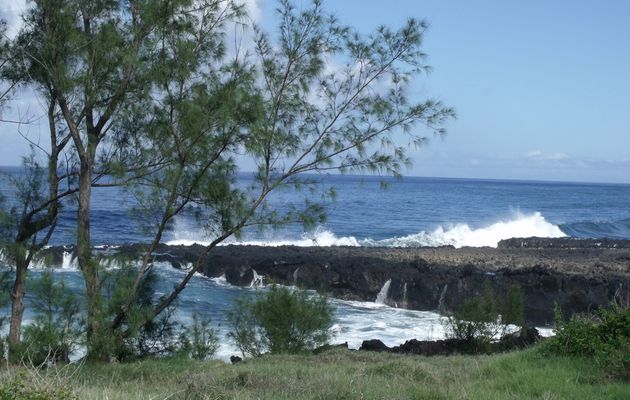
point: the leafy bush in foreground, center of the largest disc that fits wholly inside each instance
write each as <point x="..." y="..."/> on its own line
<point x="280" y="320"/>
<point x="161" y="336"/>
<point x="603" y="335"/>
<point x="55" y="332"/>
<point x="484" y="318"/>
<point x="30" y="385"/>
<point x="198" y="341"/>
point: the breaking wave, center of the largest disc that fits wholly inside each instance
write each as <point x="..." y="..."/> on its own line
<point x="458" y="235"/>
<point x="462" y="235"/>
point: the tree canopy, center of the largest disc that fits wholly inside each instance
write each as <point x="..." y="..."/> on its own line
<point x="148" y="93"/>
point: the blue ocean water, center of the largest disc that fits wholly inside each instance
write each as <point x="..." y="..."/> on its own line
<point x="408" y="212"/>
<point x="411" y="211"/>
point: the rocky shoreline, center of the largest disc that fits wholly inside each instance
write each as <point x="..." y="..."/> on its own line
<point x="579" y="275"/>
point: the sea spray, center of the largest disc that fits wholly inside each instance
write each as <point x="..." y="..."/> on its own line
<point x="457" y="235"/>
<point x="319" y="238"/>
<point x="257" y="280"/>
<point x="69" y="260"/>
<point x="404" y="300"/>
<point x="381" y="297"/>
<point x="462" y="235"/>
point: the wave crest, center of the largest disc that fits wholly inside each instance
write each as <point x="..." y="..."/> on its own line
<point x="462" y="235"/>
<point x="320" y="237"/>
<point x="459" y="235"/>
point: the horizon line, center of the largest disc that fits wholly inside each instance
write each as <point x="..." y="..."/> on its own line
<point x="376" y="175"/>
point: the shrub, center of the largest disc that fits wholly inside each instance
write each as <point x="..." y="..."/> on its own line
<point x="280" y="320"/>
<point x="512" y="307"/>
<point x="481" y="320"/>
<point x="161" y="336"/>
<point x="603" y="335"/>
<point x="31" y="385"/>
<point x="199" y="341"/>
<point x="55" y="331"/>
<point x="140" y="338"/>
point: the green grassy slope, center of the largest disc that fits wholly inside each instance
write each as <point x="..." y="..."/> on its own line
<point x="347" y="375"/>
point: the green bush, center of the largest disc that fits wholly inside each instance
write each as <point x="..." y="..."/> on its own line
<point x="199" y="341"/>
<point x="603" y="335"/>
<point x="280" y="320"/>
<point x="481" y="320"/>
<point x="138" y="337"/>
<point x="55" y="332"/>
<point x="25" y="386"/>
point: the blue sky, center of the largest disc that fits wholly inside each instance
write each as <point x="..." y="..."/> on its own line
<point x="541" y="88"/>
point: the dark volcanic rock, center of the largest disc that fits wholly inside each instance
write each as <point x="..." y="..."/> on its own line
<point x="429" y="347"/>
<point x="579" y="275"/>
<point x="526" y="336"/>
<point x="563" y="243"/>
<point x="518" y="340"/>
<point x="373" y="345"/>
<point x="239" y="276"/>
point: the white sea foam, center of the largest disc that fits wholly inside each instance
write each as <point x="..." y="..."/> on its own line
<point x="462" y="235"/>
<point x="3" y="259"/>
<point x="358" y="321"/>
<point x="320" y="237"/>
<point x="458" y="235"/>
<point x="382" y="295"/>
<point x="69" y="261"/>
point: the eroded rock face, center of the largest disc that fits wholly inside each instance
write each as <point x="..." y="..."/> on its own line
<point x="527" y="336"/>
<point x="579" y="275"/>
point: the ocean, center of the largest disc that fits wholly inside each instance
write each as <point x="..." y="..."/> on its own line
<point x="409" y="212"/>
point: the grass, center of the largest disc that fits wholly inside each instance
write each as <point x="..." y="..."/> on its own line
<point x="341" y="374"/>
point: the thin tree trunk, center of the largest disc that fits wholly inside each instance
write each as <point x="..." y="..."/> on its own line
<point x="29" y="228"/>
<point x="17" y="300"/>
<point x="88" y="267"/>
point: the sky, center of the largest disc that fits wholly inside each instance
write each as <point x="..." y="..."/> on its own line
<point x="541" y="88"/>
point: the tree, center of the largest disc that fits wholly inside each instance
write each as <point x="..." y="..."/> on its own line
<point x="325" y="99"/>
<point x="5" y="60"/>
<point x="107" y="53"/>
<point x="145" y="90"/>
<point x="54" y="332"/>
<point x="37" y="188"/>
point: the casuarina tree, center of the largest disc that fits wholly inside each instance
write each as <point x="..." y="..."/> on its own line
<point x="321" y="98"/>
<point x="148" y="92"/>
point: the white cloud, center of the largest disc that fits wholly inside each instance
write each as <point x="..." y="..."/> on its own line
<point x="254" y="9"/>
<point x="11" y="12"/>
<point x="543" y="156"/>
<point x="534" y="154"/>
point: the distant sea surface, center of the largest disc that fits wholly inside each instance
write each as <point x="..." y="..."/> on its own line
<point x="409" y="212"/>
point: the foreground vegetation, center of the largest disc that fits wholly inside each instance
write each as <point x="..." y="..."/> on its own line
<point x="587" y="359"/>
<point x="337" y="374"/>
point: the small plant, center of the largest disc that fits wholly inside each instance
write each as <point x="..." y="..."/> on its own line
<point x="55" y="331"/>
<point x="140" y="338"/>
<point x="199" y="341"/>
<point x="603" y="335"/>
<point x="32" y="383"/>
<point x="483" y="319"/>
<point x="280" y="320"/>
